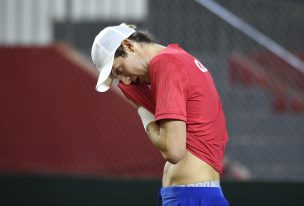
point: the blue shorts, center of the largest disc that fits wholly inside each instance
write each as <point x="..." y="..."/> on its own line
<point x="192" y="196"/>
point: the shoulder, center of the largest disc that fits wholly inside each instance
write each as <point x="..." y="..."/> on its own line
<point x="167" y="61"/>
<point x="164" y="58"/>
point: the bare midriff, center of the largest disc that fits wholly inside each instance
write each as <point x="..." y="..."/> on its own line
<point x="189" y="170"/>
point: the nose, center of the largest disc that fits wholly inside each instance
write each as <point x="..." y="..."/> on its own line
<point x="125" y="80"/>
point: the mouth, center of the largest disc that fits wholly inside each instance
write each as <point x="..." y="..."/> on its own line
<point x="135" y="80"/>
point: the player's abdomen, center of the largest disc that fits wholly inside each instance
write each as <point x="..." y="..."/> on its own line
<point x="187" y="171"/>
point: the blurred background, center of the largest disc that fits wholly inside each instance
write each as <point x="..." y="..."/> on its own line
<point x="62" y="143"/>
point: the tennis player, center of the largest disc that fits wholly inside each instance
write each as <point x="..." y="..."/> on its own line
<point x="188" y="127"/>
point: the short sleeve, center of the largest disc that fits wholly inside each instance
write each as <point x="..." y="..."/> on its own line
<point x="140" y="94"/>
<point x="169" y="82"/>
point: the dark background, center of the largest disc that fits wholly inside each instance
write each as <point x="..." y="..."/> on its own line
<point x="62" y="143"/>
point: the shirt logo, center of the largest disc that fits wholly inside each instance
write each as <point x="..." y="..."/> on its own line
<point x="200" y="66"/>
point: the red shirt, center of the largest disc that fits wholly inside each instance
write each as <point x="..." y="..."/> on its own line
<point x="183" y="89"/>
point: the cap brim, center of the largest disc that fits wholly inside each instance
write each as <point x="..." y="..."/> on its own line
<point x="104" y="81"/>
<point x="105" y="86"/>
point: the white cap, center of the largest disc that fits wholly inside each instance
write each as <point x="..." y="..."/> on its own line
<point x="103" y="51"/>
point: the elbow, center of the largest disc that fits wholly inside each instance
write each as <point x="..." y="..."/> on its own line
<point x="175" y="155"/>
<point x="172" y="160"/>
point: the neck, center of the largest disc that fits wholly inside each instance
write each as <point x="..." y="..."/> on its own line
<point x="152" y="50"/>
<point x="149" y="51"/>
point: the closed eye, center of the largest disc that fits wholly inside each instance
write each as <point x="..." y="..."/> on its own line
<point x="118" y="71"/>
<point x="115" y="72"/>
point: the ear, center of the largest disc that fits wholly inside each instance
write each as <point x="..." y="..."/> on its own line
<point x="128" y="45"/>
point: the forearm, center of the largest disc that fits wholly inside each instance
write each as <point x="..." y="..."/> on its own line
<point x="169" y="138"/>
<point x="170" y="151"/>
<point x="153" y="132"/>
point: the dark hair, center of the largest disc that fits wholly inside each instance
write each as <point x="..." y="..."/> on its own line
<point x="138" y="36"/>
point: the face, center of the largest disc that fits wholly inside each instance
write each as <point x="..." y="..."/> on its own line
<point x="132" y="69"/>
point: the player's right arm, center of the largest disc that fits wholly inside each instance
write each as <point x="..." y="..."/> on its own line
<point x="168" y="135"/>
<point x="170" y="80"/>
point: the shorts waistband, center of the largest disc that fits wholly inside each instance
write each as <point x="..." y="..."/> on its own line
<point x="191" y="191"/>
<point x="213" y="183"/>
